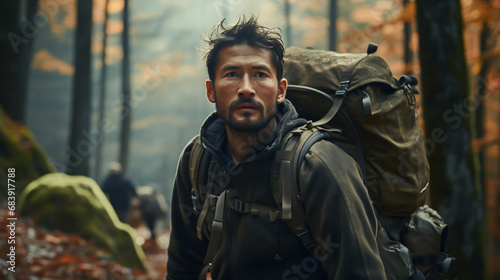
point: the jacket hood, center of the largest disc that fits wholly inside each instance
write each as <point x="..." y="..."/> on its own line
<point x="214" y="138"/>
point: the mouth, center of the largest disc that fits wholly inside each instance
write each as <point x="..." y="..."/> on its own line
<point x="247" y="106"/>
<point x="246" y="109"/>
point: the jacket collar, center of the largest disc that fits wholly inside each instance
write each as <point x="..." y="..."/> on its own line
<point x="214" y="138"/>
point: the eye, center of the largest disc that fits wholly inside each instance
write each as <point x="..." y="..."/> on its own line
<point x="261" y="74"/>
<point x="231" y="74"/>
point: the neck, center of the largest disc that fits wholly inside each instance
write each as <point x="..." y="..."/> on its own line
<point x="242" y="144"/>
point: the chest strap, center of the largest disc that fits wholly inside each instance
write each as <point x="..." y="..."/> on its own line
<point x="244" y="207"/>
<point x="227" y="199"/>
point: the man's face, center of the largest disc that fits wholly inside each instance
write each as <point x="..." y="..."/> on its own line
<point x="246" y="91"/>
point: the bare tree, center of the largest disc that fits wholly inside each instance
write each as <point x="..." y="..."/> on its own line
<point x="408" y="54"/>
<point x="488" y="128"/>
<point x="332" y="30"/>
<point x="126" y="108"/>
<point x="80" y="147"/>
<point x="288" y="27"/>
<point x="17" y="34"/>
<point x="454" y="183"/>
<point x="102" y="94"/>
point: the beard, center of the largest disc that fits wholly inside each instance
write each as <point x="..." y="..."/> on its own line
<point x="248" y="124"/>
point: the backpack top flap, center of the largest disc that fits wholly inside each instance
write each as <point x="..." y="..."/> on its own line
<point x="386" y="142"/>
<point x="323" y="70"/>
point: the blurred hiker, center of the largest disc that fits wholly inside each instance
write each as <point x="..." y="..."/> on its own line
<point x="153" y="207"/>
<point x="119" y="190"/>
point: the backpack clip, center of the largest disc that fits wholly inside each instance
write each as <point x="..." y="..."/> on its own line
<point x="343" y="88"/>
<point x="196" y="208"/>
<point x="406" y="82"/>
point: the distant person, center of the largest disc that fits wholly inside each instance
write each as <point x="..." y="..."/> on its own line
<point x="153" y="207"/>
<point x="119" y="190"/>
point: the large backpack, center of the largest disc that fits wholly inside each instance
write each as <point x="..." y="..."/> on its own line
<point x="354" y="101"/>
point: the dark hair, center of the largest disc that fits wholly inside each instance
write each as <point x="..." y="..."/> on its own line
<point x="245" y="32"/>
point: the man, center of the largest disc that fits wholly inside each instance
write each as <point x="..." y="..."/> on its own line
<point x="153" y="208"/>
<point x="246" y="84"/>
<point x="119" y="190"/>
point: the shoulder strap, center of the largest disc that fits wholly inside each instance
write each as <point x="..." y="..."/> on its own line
<point x="194" y="167"/>
<point x="217" y="225"/>
<point x="196" y="193"/>
<point x="286" y="168"/>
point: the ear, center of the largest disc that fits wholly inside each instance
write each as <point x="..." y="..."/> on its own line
<point x="282" y="91"/>
<point x="210" y="91"/>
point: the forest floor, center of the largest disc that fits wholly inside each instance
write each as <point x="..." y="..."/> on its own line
<point x="44" y="255"/>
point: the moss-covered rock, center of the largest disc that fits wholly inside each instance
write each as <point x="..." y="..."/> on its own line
<point x="20" y="150"/>
<point x="77" y="205"/>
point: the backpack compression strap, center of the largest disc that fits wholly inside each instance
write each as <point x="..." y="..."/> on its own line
<point x="343" y="89"/>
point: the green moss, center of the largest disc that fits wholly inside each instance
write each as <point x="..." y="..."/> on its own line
<point x="20" y="150"/>
<point x="77" y="205"/>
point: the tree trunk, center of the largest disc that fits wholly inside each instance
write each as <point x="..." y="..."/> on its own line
<point x="332" y="30"/>
<point x="26" y="56"/>
<point x="488" y="129"/>
<point x="80" y="146"/>
<point x="408" y="54"/>
<point x="288" y="27"/>
<point x="17" y="36"/>
<point x="455" y="190"/>
<point x="126" y="108"/>
<point x="11" y="41"/>
<point x="102" y="96"/>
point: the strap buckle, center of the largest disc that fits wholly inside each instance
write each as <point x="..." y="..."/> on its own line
<point x="305" y="236"/>
<point x="239" y="206"/>
<point x="274" y="215"/>
<point x="343" y="88"/>
<point x="195" y="204"/>
<point x="212" y="200"/>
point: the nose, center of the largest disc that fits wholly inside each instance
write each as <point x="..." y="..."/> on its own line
<point x="246" y="88"/>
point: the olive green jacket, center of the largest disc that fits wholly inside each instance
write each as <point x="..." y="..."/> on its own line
<point x="337" y="206"/>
